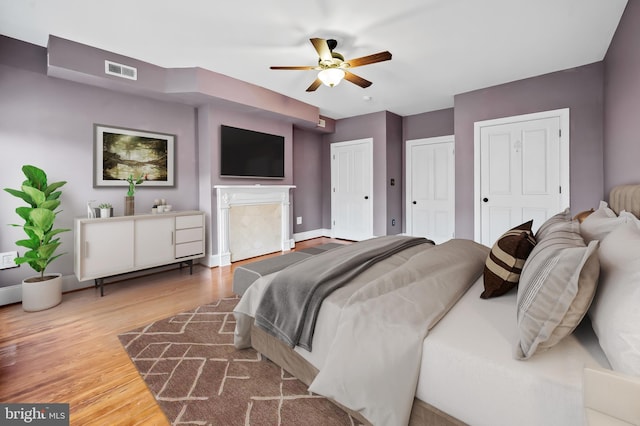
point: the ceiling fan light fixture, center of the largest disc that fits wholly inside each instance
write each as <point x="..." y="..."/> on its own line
<point x="331" y="76"/>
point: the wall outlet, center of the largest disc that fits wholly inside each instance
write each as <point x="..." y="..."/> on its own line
<point x="393" y="222"/>
<point x="6" y="259"/>
<point x="299" y="220"/>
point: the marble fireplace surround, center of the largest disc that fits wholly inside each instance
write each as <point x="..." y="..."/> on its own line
<point x="265" y="196"/>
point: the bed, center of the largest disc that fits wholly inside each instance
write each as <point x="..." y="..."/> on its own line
<point x="479" y="362"/>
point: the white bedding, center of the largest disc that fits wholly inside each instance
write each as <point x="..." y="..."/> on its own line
<point x="467" y="368"/>
<point x="382" y="327"/>
<point x="469" y="372"/>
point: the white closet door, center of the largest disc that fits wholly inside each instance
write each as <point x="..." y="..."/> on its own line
<point x="431" y="188"/>
<point x="520" y="175"/>
<point x="351" y="189"/>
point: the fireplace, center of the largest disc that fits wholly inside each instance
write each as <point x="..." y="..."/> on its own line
<point x="252" y="220"/>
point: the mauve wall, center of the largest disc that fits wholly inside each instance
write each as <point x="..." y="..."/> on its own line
<point x="209" y="121"/>
<point x="622" y="102"/>
<point x="395" y="207"/>
<point x="426" y="125"/>
<point x="579" y="89"/>
<point x="48" y="122"/>
<point x="354" y="128"/>
<point x="307" y="176"/>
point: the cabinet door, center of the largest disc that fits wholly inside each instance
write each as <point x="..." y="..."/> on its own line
<point x="154" y="241"/>
<point x="106" y="248"/>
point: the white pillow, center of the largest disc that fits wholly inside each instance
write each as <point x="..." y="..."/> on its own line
<point x="599" y="223"/>
<point x="615" y="312"/>
<point x="555" y="220"/>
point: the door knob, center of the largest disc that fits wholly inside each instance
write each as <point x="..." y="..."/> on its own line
<point x="415" y="202"/>
<point x="366" y="197"/>
<point x="485" y="199"/>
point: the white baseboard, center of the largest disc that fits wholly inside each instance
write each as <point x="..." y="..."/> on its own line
<point x="211" y="261"/>
<point x="307" y="235"/>
<point x="13" y="293"/>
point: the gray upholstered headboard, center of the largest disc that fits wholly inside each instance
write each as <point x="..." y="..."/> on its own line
<point x="625" y="197"/>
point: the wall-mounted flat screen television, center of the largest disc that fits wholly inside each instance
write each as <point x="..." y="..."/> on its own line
<point x="250" y="154"/>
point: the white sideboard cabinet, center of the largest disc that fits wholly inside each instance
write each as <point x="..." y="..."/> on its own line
<point x="117" y="245"/>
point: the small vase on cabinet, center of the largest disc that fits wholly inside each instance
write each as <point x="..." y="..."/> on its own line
<point x="129" y="205"/>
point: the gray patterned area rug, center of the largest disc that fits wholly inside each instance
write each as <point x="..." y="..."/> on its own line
<point x="189" y="363"/>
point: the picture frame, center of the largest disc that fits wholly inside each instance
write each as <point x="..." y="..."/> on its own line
<point x="120" y="152"/>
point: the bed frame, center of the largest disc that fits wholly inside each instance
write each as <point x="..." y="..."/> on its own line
<point x="624" y="197"/>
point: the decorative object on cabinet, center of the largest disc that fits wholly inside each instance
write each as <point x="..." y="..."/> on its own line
<point x="129" y="200"/>
<point x="107" y="248"/>
<point x="42" y="291"/>
<point x="129" y="205"/>
<point x="120" y="153"/>
<point x="106" y="210"/>
<point x="91" y="212"/>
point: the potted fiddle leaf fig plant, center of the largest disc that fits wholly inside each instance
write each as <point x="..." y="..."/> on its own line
<point x="44" y="290"/>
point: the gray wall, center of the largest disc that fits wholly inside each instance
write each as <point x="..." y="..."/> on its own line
<point x="622" y="102"/>
<point x="360" y="127"/>
<point x="48" y="122"/>
<point x="426" y="125"/>
<point x="209" y="121"/>
<point x="307" y="176"/>
<point x="395" y="171"/>
<point x="579" y="89"/>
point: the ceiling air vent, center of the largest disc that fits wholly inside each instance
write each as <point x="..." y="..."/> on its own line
<point x="120" y="70"/>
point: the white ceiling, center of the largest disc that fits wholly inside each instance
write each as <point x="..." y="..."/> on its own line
<point x="440" y="47"/>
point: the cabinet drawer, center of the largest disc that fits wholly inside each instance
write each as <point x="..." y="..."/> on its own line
<point x="188" y="235"/>
<point x="192" y="221"/>
<point x="189" y="249"/>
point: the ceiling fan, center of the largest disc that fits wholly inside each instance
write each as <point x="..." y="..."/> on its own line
<point x="333" y="67"/>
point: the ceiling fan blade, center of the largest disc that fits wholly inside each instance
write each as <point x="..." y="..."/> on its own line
<point x="369" y="59"/>
<point x="314" y="85"/>
<point x="303" y="67"/>
<point x="322" y="48"/>
<point x="349" y="76"/>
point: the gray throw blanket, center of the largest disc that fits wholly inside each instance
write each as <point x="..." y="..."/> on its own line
<point x="290" y="305"/>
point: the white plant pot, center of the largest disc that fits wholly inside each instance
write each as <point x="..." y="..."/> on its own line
<point x="105" y="212"/>
<point x="41" y="295"/>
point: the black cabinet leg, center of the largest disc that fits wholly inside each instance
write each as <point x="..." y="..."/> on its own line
<point x="100" y="282"/>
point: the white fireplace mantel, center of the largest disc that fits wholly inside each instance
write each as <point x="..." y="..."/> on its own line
<point x="247" y="195"/>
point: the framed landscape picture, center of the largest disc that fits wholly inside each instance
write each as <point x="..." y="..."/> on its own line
<point x="119" y="153"/>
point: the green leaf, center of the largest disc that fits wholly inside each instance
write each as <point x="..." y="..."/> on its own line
<point x="27" y="199"/>
<point x="55" y="185"/>
<point x="24" y="212"/>
<point x="36" y="176"/>
<point x="50" y="204"/>
<point x="51" y="259"/>
<point x="32" y="244"/>
<point x="46" y="251"/>
<point x="36" y="195"/>
<point x="42" y="219"/>
<point x="38" y="232"/>
<point x="57" y="231"/>
<point x="54" y="195"/>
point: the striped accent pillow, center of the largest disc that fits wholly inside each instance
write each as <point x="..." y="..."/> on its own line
<point x="557" y="286"/>
<point x="506" y="260"/>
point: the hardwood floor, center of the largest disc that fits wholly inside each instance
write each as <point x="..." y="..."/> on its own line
<point x="71" y="353"/>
